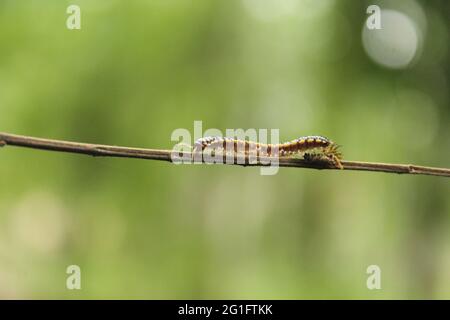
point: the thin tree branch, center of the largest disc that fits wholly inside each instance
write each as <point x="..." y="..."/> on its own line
<point x="98" y="150"/>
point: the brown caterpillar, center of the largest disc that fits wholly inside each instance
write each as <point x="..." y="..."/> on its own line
<point x="303" y="145"/>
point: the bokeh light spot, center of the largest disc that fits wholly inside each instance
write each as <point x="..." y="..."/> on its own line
<point x="396" y="44"/>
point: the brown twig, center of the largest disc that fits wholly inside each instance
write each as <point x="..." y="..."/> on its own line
<point x="165" y="155"/>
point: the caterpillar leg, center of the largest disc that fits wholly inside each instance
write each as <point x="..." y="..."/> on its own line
<point x="329" y="158"/>
<point x="311" y="157"/>
<point x="332" y="153"/>
<point x="336" y="161"/>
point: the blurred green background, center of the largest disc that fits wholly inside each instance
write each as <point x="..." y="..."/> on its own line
<point x="137" y="70"/>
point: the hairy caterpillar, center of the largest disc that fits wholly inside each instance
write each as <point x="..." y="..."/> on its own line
<point x="311" y="147"/>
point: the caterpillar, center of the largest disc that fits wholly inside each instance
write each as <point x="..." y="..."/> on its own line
<point x="311" y="147"/>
